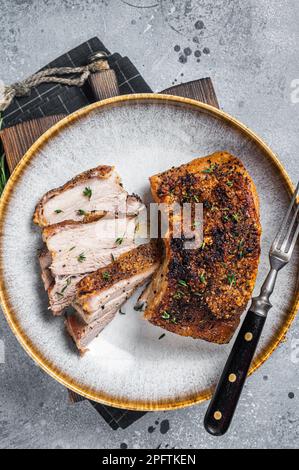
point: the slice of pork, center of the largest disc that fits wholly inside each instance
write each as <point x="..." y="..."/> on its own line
<point x="96" y="293"/>
<point x="83" y="334"/>
<point x="97" y="190"/>
<point x="61" y="290"/>
<point x="80" y="247"/>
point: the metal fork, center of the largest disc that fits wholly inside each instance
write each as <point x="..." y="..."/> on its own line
<point x="226" y="396"/>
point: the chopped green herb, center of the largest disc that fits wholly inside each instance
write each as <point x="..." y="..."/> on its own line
<point x="231" y="279"/>
<point x="58" y="211"/>
<point x="202" y="279"/>
<point x="229" y="183"/>
<point x="81" y="258"/>
<point x="66" y="285"/>
<point x="173" y="320"/>
<point x="240" y="249"/>
<point x="112" y="257"/>
<point x="195" y="198"/>
<point x="182" y="283"/>
<point x="59" y="294"/>
<point x="196" y="224"/>
<point x="81" y="212"/>
<point x="165" y="315"/>
<point x="210" y="169"/>
<point x="236" y="217"/>
<point x="162" y="336"/>
<point x="202" y="246"/>
<point x="119" y="241"/>
<point x="71" y="249"/>
<point x="121" y="312"/>
<point x="87" y="192"/>
<point x="178" y="295"/>
<point x="106" y="275"/>
<point x="225" y="218"/>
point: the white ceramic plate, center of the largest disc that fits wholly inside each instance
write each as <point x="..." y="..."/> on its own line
<point x="128" y="366"/>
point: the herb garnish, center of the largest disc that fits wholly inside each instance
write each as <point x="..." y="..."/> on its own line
<point x="231" y="279"/>
<point x="112" y="257"/>
<point x="165" y="315"/>
<point x="182" y="283"/>
<point x="210" y="169"/>
<point x="66" y="285"/>
<point x="81" y="212"/>
<point x="106" y="275"/>
<point x="58" y="211"/>
<point x="195" y="198"/>
<point x="87" y="192"/>
<point x="229" y="183"/>
<point x="196" y="225"/>
<point x="121" y="312"/>
<point x="178" y="295"/>
<point x="119" y="241"/>
<point x="162" y="336"/>
<point x="202" y="279"/>
<point x="81" y="258"/>
<point x="235" y="217"/>
<point x="241" y="249"/>
<point x="71" y="249"/>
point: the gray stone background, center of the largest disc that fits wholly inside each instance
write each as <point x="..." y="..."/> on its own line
<point x="251" y="51"/>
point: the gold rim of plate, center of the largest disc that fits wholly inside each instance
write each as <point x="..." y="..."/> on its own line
<point x="43" y="362"/>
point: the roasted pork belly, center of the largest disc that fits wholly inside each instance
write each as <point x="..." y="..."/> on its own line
<point x="201" y="292"/>
<point x="84" y="247"/>
<point x="97" y="190"/>
<point x="60" y="289"/>
<point x="83" y="333"/>
<point x="98" y="292"/>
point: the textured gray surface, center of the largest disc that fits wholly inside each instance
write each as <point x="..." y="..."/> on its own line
<point x="251" y="52"/>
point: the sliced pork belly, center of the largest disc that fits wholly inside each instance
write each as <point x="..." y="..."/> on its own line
<point x="95" y="190"/>
<point x="83" y="333"/>
<point x="60" y="289"/>
<point x="45" y="261"/>
<point x="97" y="293"/>
<point x="80" y="247"/>
<point x="62" y="292"/>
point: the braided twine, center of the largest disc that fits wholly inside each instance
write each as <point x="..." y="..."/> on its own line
<point x="55" y="75"/>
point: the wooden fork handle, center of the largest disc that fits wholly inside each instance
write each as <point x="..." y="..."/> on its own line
<point x="226" y="396"/>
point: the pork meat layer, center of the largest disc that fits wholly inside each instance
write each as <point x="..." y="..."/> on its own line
<point x="94" y="191"/>
<point x="97" y="293"/>
<point x="83" y="333"/>
<point x="84" y="247"/>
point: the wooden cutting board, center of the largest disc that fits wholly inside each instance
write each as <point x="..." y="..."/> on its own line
<point x="18" y="139"/>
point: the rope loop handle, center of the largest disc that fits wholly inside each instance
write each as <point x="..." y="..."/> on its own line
<point x="55" y="75"/>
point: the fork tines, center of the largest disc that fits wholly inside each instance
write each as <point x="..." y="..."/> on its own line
<point x="288" y="233"/>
